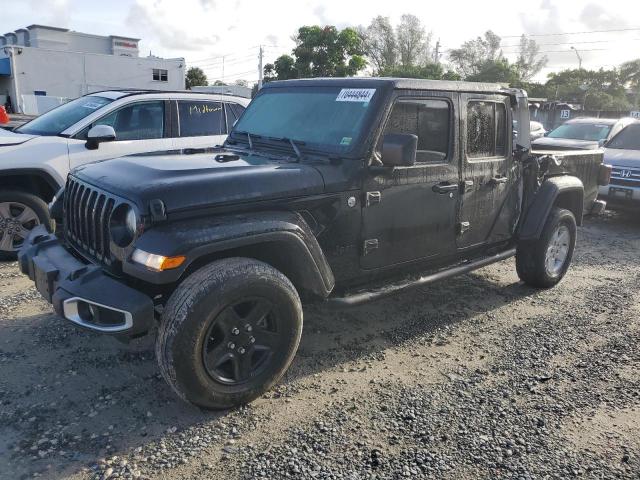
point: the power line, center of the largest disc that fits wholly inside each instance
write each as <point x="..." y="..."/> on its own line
<point x="577" y="43"/>
<point x="573" y="33"/>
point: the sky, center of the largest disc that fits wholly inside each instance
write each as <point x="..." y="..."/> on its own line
<point x="222" y="37"/>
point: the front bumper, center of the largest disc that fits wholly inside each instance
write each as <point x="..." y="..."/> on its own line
<point x="82" y="292"/>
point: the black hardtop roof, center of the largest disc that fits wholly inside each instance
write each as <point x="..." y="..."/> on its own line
<point x="396" y="83"/>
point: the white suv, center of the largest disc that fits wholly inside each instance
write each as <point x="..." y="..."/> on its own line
<point x="35" y="160"/>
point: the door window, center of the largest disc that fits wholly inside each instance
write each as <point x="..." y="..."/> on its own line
<point x="429" y="120"/>
<point x="138" y="121"/>
<point x="201" y="118"/>
<point x="486" y="129"/>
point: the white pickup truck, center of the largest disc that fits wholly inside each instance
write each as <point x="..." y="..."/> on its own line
<point x="36" y="158"/>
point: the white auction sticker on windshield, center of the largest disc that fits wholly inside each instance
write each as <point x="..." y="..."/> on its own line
<point x="356" y="95"/>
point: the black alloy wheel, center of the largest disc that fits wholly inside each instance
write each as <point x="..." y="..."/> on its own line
<point x="241" y="340"/>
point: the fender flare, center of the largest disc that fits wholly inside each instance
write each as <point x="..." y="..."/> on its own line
<point x="566" y="191"/>
<point x="282" y="239"/>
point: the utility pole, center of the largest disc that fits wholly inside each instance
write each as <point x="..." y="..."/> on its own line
<point x="436" y="55"/>
<point x="578" y="55"/>
<point x="223" y="69"/>
<point x="260" y="69"/>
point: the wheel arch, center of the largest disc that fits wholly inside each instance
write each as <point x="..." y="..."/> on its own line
<point x="280" y="239"/>
<point x="564" y="192"/>
<point x="36" y="182"/>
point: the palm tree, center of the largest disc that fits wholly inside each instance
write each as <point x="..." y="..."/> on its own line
<point x="630" y="74"/>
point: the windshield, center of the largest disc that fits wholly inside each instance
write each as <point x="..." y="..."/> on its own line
<point x="59" y="119"/>
<point x="627" y="139"/>
<point x="324" y="118"/>
<point x="581" y="131"/>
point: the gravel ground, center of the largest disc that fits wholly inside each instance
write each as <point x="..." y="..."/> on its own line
<point x="476" y="377"/>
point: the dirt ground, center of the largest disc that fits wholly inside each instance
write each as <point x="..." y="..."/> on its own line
<point x="475" y="377"/>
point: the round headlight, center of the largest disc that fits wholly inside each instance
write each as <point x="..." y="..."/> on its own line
<point x="123" y="225"/>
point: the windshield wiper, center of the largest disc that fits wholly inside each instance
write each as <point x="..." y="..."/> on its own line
<point x="248" y="138"/>
<point x="291" y="142"/>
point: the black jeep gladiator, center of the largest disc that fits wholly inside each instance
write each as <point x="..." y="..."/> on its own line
<point x="344" y="190"/>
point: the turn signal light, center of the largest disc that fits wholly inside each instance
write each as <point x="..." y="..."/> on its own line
<point x="157" y="262"/>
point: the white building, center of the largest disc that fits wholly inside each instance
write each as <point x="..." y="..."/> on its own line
<point x="41" y="67"/>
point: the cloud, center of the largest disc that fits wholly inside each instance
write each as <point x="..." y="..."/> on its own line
<point x="596" y="17"/>
<point x="170" y="34"/>
<point x="58" y="12"/>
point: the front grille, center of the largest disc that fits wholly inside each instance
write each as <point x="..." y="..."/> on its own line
<point x="86" y="219"/>
<point x="627" y="177"/>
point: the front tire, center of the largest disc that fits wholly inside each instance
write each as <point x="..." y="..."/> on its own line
<point x="229" y="332"/>
<point x="20" y="212"/>
<point x="544" y="262"/>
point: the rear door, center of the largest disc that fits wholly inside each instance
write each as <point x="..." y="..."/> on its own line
<point x="201" y="123"/>
<point x="489" y="206"/>
<point x="409" y="213"/>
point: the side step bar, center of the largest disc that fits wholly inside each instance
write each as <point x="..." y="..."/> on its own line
<point x="359" y="298"/>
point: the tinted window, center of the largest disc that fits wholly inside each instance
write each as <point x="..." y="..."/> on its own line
<point x="201" y="118"/>
<point x="486" y="129"/>
<point x="581" y="131"/>
<point x="59" y="119"/>
<point x="627" y="139"/>
<point x="429" y="120"/>
<point x="138" y="121"/>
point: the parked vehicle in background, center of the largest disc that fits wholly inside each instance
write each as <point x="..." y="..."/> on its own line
<point x="622" y="152"/>
<point x="343" y="190"/>
<point x="536" y="130"/>
<point x="34" y="162"/>
<point x="582" y="134"/>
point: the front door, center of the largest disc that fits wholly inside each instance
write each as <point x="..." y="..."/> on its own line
<point x="140" y="127"/>
<point x="409" y="213"/>
<point x="490" y="205"/>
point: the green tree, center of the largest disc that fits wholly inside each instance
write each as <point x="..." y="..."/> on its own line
<point x="499" y="70"/>
<point x="630" y="75"/>
<point x="380" y="44"/>
<point x="195" y="78"/>
<point x="414" y="44"/>
<point x="474" y="56"/>
<point x="321" y="52"/>
<point x="594" y="89"/>
<point x="432" y="71"/>
<point x="529" y="62"/>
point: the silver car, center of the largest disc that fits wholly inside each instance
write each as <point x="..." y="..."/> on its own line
<point x="622" y="152"/>
<point x="582" y="133"/>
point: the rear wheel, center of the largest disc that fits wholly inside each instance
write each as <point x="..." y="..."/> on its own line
<point x="229" y="332"/>
<point x="20" y="212"/>
<point x="543" y="262"/>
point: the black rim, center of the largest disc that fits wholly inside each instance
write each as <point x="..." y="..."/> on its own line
<point x="241" y="341"/>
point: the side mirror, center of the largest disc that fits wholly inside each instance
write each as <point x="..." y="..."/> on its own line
<point x="546" y="134"/>
<point x="99" y="134"/>
<point x="602" y="142"/>
<point x="399" y="149"/>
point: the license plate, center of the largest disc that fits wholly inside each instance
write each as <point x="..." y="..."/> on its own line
<point x="618" y="192"/>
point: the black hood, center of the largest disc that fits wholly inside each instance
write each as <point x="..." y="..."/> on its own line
<point x="187" y="181"/>
<point x="548" y="143"/>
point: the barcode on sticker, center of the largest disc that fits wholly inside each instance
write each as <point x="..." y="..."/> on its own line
<point x="355" y="95"/>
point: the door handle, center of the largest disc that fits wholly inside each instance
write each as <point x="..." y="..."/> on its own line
<point x="498" y="180"/>
<point x="445" y="187"/>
